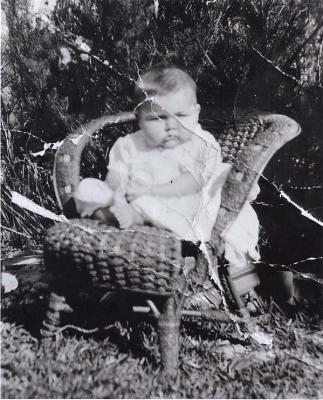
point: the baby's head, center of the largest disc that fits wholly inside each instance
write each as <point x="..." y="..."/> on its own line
<point x="166" y="106"/>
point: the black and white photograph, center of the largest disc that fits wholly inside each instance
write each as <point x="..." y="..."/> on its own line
<point x="161" y="199"/>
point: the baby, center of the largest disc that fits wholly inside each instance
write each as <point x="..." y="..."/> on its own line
<point x="169" y="172"/>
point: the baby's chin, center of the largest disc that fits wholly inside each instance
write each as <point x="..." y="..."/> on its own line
<point x="170" y="144"/>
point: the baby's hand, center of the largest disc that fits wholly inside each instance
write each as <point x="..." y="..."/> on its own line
<point x="119" y="198"/>
<point x="136" y="190"/>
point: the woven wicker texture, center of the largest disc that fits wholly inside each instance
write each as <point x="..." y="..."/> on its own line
<point x="145" y="259"/>
<point x="253" y="155"/>
<point x="151" y="261"/>
<point x="235" y="138"/>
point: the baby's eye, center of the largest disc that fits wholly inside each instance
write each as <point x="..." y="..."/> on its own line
<point x="157" y="117"/>
<point x="181" y="115"/>
<point x="152" y="118"/>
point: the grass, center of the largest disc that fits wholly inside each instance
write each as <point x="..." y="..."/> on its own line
<point x="215" y="362"/>
<point x="30" y="177"/>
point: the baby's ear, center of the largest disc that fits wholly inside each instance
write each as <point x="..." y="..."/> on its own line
<point x="138" y="120"/>
<point x="197" y="110"/>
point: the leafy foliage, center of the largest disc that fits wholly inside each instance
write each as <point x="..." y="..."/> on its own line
<point x="90" y="53"/>
<point x="81" y="59"/>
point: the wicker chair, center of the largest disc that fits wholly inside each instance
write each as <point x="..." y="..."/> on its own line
<point x="153" y="270"/>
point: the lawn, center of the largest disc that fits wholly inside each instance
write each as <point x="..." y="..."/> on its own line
<point x="215" y="360"/>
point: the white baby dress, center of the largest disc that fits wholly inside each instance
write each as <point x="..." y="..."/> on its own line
<point x="190" y="217"/>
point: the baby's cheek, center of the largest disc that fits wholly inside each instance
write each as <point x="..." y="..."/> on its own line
<point x="185" y="134"/>
<point x="189" y="124"/>
<point x="154" y="131"/>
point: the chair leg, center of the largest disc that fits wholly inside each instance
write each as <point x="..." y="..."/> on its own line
<point x="168" y="328"/>
<point x="57" y="305"/>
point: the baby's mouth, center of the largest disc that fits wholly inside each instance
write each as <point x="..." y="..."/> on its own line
<point x="171" y="138"/>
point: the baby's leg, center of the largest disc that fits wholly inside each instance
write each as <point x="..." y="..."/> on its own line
<point x="105" y="215"/>
<point x="93" y="198"/>
<point x="127" y="215"/>
<point x="242" y="237"/>
<point x="167" y="213"/>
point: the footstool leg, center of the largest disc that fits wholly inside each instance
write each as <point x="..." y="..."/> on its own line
<point x="57" y="305"/>
<point x="168" y="327"/>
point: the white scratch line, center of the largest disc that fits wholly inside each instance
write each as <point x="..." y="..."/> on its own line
<point x="56" y="145"/>
<point x="302" y="187"/>
<point x="286" y="197"/>
<point x="292" y="264"/>
<point x="156" y="4"/>
<point x="47" y="146"/>
<point x="278" y="68"/>
<point x="303" y="212"/>
<point x="29" y="205"/>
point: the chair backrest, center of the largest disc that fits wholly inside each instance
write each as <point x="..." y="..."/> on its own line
<point x="248" y="165"/>
<point x="248" y="144"/>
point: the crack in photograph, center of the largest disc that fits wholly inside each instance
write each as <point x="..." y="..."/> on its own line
<point x="161" y="199"/>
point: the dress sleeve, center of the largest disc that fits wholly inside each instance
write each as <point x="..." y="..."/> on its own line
<point x="119" y="158"/>
<point x="201" y="158"/>
<point x="209" y="157"/>
<point x="212" y="158"/>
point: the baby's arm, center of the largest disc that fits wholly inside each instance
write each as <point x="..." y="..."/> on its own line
<point x="183" y="185"/>
<point x="113" y="179"/>
<point x="118" y="172"/>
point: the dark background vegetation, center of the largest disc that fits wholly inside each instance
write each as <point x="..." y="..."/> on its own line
<point x="264" y="55"/>
<point x="80" y="62"/>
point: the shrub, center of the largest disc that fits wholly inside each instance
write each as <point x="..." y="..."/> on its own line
<point x="82" y="58"/>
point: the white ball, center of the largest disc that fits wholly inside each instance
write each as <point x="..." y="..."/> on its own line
<point x="92" y="190"/>
<point x="9" y="282"/>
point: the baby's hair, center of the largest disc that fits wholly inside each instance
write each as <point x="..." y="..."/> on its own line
<point x="161" y="79"/>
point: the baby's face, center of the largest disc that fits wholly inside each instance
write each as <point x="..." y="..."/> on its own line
<point x="170" y="119"/>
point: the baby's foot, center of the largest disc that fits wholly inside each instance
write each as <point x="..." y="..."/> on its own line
<point x="106" y="216"/>
<point x="127" y="216"/>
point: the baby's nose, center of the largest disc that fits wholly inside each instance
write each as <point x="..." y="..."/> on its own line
<point x="171" y="123"/>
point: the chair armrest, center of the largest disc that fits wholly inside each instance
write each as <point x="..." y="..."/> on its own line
<point x="248" y="166"/>
<point x="66" y="174"/>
